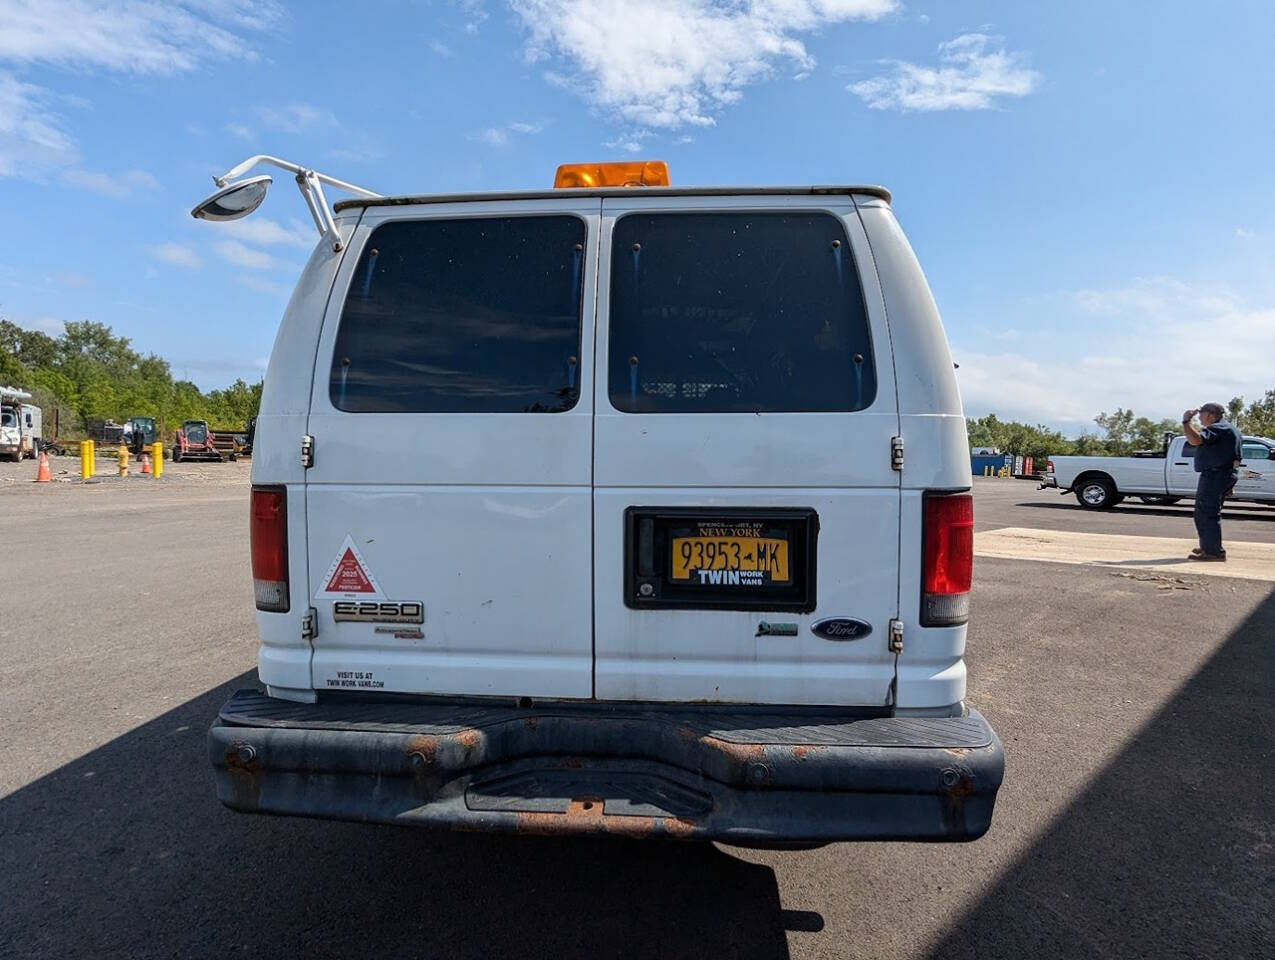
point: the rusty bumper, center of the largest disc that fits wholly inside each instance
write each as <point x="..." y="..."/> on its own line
<point x="744" y="776"/>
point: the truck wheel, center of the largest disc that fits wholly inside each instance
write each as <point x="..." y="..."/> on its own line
<point x="1097" y="493"/>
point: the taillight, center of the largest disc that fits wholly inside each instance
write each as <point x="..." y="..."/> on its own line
<point x="269" y="534"/>
<point x="947" y="559"/>
<point x="1050" y="466"/>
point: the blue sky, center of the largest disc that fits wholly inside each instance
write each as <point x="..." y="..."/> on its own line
<point x="1090" y="186"/>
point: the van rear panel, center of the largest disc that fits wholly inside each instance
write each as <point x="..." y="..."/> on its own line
<point x="475" y="456"/>
<point x="452" y="470"/>
<point x="747" y="368"/>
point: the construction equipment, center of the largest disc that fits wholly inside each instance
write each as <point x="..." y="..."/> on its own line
<point x="139" y="434"/>
<point x="195" y="441"/>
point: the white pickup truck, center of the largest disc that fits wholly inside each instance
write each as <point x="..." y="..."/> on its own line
<point x="1162" y="477"/>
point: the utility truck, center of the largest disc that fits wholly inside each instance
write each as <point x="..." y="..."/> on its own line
<point x="1163" y="476"/>
<point x="21" y="425"/>
<point x="613" y="508"/>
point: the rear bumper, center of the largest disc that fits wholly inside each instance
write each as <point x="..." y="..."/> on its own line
<point x="634" y="770"/>
<point x="1050" y="483"/>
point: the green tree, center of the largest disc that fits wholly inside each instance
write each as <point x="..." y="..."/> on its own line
<point x="1118" y="431"/>
<point x="1019" y="439"/>
<point x="1149" y="434"/>
<point x="1088" y="445"/>
<point x="1259" y="417"/>
<point x="89" y="373"/>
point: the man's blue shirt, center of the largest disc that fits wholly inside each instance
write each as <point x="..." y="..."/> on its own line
<point x="1219" y="448"/>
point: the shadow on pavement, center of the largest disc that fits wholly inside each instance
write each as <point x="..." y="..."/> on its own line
<point x="1170" y="851"/>
<point x="126" y="852"/>
<point x="1229" y="512"/>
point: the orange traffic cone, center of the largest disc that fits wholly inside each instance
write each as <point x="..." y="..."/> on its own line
<point x="42" y="475"/>
<point x="146" y="463"/>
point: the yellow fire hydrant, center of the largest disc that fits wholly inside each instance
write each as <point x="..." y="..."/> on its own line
<point x="123" y="455"/>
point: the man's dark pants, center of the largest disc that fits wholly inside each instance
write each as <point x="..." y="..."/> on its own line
<point x="1211" y="490"/>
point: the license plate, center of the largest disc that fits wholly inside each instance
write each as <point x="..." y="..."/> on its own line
<point x="720" y="558"/>
<point x="731" y="559"/>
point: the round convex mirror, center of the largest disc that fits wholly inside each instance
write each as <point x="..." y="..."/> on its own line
<point x="234" y="201"/>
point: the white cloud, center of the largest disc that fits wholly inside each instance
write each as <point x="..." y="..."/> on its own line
<point x="673" y="63"/>
<point x="974" y="70"/>
<point x="240" y="130"/>
<point x="629" y="145"/>
<point x="357" y="154"/>
<point x="176" y="254"/>
<point x="500" y="136"/>
<point x="1155" y="346"/>
<point x="265" y="232"/>
<point x="1244" y="233"/>
<point x="53" y="326"/>
<point x="32" y="137"/>
<point x="139" y="37"/>
<point x="272" y="287"/>
<point x="195" y="130"/>
<point x="295" y="118"/>
<point x="242" y="255"/>
<point x="441" y="49"/>
<point x="131" y="36"/>
<point x="111" y="184"/>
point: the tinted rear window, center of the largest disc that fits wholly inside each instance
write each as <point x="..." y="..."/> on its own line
<point x="463" y="316"/>
<point x="737" y="312"/>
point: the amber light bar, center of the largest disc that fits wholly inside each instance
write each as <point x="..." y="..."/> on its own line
<point x="637" y="173"/>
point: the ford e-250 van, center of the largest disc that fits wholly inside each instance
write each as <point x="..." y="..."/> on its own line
<point x="640" y="511"/>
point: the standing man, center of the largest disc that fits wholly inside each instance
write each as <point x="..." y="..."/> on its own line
<point x="1217" y="452"/>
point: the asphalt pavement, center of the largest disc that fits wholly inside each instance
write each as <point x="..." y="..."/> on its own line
<point x="1136" y="818"/>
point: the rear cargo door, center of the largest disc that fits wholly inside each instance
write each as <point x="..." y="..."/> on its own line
<point x="746" y="514"/>
<point x="449" y="499"/>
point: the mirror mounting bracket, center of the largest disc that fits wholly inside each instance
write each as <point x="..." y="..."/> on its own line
<point x="310" y="183"/>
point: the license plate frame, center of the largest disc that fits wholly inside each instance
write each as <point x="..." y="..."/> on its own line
<point x="652" y="580"/>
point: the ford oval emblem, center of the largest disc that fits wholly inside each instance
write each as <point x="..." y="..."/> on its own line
<point x="841" y="628"/>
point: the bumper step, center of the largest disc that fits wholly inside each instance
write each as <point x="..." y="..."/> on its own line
<point x="715" y="773"/>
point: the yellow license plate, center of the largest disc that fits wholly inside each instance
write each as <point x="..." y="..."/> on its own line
<point x="737" y="560"/>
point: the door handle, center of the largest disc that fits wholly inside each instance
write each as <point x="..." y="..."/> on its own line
<point x="1181" y="463"/>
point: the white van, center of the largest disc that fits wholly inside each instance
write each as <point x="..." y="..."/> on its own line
<point x="639" y="511"/>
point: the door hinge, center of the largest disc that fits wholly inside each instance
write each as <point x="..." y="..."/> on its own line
<point x="310" y="624"/>
<point x="307" y="451"/>
<point x="896" y="636"/>
<point x="896" y="453"/>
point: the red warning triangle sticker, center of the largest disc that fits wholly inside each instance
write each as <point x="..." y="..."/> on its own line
<point x="349" y="576"/>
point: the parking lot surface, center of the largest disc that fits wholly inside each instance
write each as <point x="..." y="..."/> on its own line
<point x="1136" y="818"/>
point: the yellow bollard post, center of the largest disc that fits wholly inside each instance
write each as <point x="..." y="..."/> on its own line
<point x="123" y="455"/>
<point x="157" y="458"/>
<point x="92" y="458"/>
<point x="86" y="459"/>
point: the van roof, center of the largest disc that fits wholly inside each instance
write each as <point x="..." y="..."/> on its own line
<point x="874" y="191"/>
